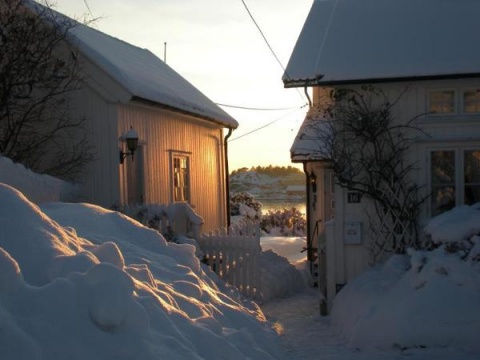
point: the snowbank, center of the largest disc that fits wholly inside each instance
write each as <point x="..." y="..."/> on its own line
<point x="38" y="188"/>
<point x="93" y="284"/>
<point x="456" y="225"/>
<point x="426" y="299"/>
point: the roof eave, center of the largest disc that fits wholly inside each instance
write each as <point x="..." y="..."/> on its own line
<point x="190" y="113"/>
<point x="319" y="82"/>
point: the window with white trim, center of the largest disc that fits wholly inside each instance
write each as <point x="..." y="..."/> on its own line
<point x="454" y="178"/>
<point x="471" y="101"/>
<point x="441" y="102"/>
<point x="181" y="177"/>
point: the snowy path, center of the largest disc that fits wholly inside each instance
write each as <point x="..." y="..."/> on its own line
<point x="307" y="335"/>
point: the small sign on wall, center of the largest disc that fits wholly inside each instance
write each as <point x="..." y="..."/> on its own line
<point x="354" y="197"/>
<point x="352" y="233"/>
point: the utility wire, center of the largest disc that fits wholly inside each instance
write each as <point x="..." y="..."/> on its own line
<point x="268" y="44"/>
<point x="256" y="109"/>
<point x="263" y="35"/>
<point x="88" y="8"/>
<point x="268" y="124"/>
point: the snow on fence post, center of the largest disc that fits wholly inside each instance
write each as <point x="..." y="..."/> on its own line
<point x="235" y="257"/>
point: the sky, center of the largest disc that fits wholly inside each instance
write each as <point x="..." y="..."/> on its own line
<point x="217" y="47"/>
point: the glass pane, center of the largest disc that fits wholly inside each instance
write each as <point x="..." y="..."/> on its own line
<point x="443" y="181"/>
<point x="442" y="102"/>
<point x="443" y="167"/>
<point x="472" y="166"/>
<point x="472" y="194"/>
<point x="471" y="101"/>
<point x="443" y="199"/>
<point x="181" y="178"/>
<point x="472" y="176"/>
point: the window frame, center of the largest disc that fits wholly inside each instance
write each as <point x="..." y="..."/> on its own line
<point x="185" y="184"/>
<point x="439" y="114"/>
<point x="477" y="90"/>
<point x="459" y="173"/>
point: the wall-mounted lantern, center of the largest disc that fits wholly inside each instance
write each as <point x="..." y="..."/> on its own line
<point x="131" y="138"/>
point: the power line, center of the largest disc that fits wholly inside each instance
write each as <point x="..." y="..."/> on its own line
<point x="88" y="8"/>
<point x="266" y="125"/>
<point x="268" y="44"/>
<point x="256" y="109"/>
<point x="263" y="35"/>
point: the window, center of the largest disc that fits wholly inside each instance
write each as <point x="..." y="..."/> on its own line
<point x="454" y="178"/>
<point x="471" y="101"/>
<point x="472" y="176"/>
<point x="441" y="102"/>
<point x="181" y="178"/>
<point x="442" y="181"/>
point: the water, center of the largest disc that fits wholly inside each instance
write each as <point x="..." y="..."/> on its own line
<point x="280" y="204"/>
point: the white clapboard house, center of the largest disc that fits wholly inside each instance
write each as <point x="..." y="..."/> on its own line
<point x="181" y="154"/>
<point x="428" y="51"/>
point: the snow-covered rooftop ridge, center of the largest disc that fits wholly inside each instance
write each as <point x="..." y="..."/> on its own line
<point x="372" y="40"/>
<point x="144" y="75"/>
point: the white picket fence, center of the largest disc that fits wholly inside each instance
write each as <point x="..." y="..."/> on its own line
<point x="235" y="256"/>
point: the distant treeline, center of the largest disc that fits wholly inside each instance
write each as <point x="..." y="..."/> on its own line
<point x="270" y="170"/>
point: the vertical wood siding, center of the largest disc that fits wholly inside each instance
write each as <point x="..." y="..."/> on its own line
<point x="350" y="260"/>
<point x="161" y="132"/>
<point x="101" y="183"/>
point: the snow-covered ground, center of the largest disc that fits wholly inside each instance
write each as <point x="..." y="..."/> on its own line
<point x="81" y="282"/>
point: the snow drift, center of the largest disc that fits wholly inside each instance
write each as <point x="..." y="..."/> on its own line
<point x="38" y="188"/>
<point x="94" y="284"/>
<point x="425" y="299"/>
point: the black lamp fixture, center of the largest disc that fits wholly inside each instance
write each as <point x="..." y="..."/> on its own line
<point x="131" y="138"/>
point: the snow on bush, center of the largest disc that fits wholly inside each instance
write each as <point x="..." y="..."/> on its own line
<point x="81" y="282"/>
<point x="153" y="216"/>
<point x="455" y="226"/>
<point x="423" y="299"/>
<point x="244" y="204"/>
<point x="286" y="222"/>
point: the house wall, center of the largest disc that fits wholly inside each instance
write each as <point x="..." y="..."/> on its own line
<point x="346" y="260"/>
<point x="109" y="113"/>
<point x="100" y="181"/>
<point x="162" y="131"/>
<point x="97" y="101"/>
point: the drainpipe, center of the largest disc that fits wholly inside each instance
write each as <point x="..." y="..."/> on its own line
<point x="309" y="232"/>
<point x="227" y="177"/>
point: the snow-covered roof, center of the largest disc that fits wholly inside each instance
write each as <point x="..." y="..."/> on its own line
<point x="309" y="144"/>
<point x="346" y="41"/>
<point x="144" y="75"/>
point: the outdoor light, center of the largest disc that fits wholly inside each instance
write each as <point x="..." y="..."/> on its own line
<point x="131" y="138"/>
<point x="313" y="181"/>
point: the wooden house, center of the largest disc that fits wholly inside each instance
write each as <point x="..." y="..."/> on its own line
<point x="425" y="50"/>
<point x="181" y="155"/>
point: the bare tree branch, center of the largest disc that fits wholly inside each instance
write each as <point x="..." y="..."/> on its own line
<point x="367" y="150"/>
<point x="39" y="73"/>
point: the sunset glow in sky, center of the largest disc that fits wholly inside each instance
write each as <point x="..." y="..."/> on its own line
<point x="216" y="46"/>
